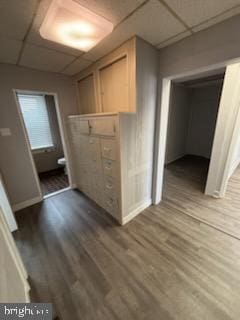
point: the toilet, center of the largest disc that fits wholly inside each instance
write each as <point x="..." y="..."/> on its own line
<point x="62" y="162"/>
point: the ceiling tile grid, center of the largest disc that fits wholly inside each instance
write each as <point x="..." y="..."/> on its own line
<point x="44" y="59"/>
<point x="160" y="22"/>
<point x="152" y="22"/>
<point x="77" y="66"/>
<point x="194" y="12"/>
<point x="112" y="10"/>
<point x="16" y="17"/>
<point x="10" y="49"/>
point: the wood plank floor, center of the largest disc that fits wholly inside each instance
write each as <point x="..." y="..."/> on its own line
<point x="184" y="185"/>
<point x="163" y="265"/>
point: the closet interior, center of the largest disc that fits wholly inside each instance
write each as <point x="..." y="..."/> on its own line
<point x="193" y="112"/>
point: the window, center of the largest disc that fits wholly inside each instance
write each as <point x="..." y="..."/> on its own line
<point x="35" y="115"/>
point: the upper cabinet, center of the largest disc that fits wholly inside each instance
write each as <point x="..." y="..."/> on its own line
<point x="109" y="84"/>
<point x="86" y="95"/>
<point x="114" y="87"/>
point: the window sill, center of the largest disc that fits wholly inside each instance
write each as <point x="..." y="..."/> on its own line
<point x="43" y="150"/>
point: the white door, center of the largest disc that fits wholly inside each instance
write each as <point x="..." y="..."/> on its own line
<point x="13" y="277"/>
<point x="226" y="139"/>
<point x="4" y="203"/>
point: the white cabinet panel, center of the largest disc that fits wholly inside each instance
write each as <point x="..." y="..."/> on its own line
<point x="109" y="167"/>
<point x="109" y="150"/>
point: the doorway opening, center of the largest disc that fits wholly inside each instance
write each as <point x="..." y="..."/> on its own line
<point x="39" y="114"/>
<point x="193" y="110"/>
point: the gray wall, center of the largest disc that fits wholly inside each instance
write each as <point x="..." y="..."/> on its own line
<point x="208" y="47"/>
<point x="15" y="164"/>
<point x="178" y="121"/>
<point x="46" y="161"/>
<point x="204" y="105"/>
<point x="216" y="45"/>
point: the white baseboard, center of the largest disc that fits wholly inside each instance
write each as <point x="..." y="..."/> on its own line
<point x="26" y="203"/>
<point x="136" y="211"/>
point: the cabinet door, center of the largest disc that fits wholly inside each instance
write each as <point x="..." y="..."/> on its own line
<point x="87" y="95"/>
<point x="114" y="87"/>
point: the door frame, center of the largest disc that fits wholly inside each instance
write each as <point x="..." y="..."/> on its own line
<point x="162" y="121"/>
<point x="62" y="135"/>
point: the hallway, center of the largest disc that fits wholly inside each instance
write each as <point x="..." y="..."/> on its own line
<point x="162" y="265"/>
<point x="184" y="184"/>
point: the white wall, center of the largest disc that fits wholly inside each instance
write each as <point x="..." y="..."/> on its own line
<point x="204" y="103"/>
<point x="13" y="277"/>
<point x="15" y="164"/>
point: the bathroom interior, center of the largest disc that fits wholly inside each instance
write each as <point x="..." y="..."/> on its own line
<point x="40" y="119"/>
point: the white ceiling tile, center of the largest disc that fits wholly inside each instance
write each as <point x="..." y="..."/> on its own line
<point x="35" y="38"/>
<point x="44" y="59"/>
<point x="228" y="14"/>
<point x="16" y="17"/>
<point x="77" y="66"/>
<point x="10" y="49"/>
<point x="194" y="12"/>
<point x="152" y="22"/>
<point x="115" y="39"/>
<point x="174" y="39"/>
<point x="113" y="10"/>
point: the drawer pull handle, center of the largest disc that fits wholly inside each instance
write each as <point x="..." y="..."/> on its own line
<point x="109" y="186"/>
<point x="108" y="167"/>
<point x="107" y="149"/>
<point x="110" y="202"/>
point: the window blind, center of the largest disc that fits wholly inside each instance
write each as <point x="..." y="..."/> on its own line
<point x="35" y="116"/>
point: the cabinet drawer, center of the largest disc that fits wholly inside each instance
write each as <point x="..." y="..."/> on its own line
<point x="109" y="149"/>
<point x="84" y="127"/>
<point x="104" y="126"/>
<point x="109" y="168"/>
<point x="111" y="206"/>
<point x="110" y="186"/>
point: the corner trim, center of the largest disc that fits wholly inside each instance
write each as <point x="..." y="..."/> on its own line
<point x="136" y="211"/>
<point x="27" y="203"/>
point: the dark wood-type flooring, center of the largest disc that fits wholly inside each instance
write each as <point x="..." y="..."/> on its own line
<point x="163" y="265"/>
<point x="52" y="181"/>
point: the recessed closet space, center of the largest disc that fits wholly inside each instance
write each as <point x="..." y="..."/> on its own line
<point x="193" y="112"/>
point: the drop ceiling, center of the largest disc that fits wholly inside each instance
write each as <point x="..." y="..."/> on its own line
<point x="160" y="22"/>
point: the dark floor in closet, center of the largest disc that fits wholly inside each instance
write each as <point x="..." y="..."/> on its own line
<point x="52" y="181"/>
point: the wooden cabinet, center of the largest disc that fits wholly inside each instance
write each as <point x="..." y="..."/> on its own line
<point x="114" y="86"/>
<point x="86" y="93"/>
<point x="96" y="161"/>
<point x="109" y="84"/>
<point x="116" y="169"/>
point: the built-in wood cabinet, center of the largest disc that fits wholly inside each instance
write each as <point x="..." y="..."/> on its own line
<point x="86" y="93"/>
<point x="109" y="85"/>
<point x="112" y="138"/>
<point x="97" y="161"/>
<point x="114" y="86"/>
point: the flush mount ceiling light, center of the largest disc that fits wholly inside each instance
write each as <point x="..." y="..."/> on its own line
<point x="71" y="24"/>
